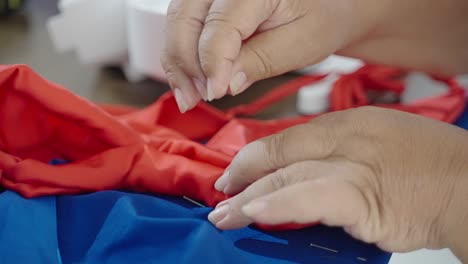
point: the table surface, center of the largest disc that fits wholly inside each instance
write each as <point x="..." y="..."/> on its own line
<point x="24" y="39"/>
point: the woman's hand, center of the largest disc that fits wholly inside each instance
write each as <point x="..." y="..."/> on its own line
<point x="388" y="177"/>
<point x="219" y="47"/>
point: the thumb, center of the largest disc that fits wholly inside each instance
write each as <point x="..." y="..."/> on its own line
<point x="303" y="193"/>
<point x="331" y="201"/>
<point x="277" y="51"/>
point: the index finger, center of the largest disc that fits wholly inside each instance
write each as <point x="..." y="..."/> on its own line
<point x="185" y="20"/>
<point x="313" y="141"/>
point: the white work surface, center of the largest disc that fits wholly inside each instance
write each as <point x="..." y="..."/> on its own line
<point x="425" y="257"/>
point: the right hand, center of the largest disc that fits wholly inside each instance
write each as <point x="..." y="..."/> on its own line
<point x="219" y="47"/>
<point x="387" y="177"/>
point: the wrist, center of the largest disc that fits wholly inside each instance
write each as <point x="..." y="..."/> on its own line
<point x="457" y="235"/>
<point x="455" y="226"/>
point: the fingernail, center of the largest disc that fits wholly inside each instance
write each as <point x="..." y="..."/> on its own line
<point x="222" y="203"/>
<point x="210" y="90"/>
<point x="229" y="189"/>
<point x="218" y="214"/>
<point x="180" y="100"/>
<point x="254" y="208"/>
<point x="201" y="89"/>
<point x="222" y="182"/>
<point x="237" y="83"/>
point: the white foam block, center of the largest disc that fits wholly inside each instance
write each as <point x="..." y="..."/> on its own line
<point x="96" y="30"/>
<point x="146" y="38"/>
<point x="425" y="256"/>
<point x="314" y="98"/>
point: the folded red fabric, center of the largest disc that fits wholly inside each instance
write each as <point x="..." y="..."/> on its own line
<point x="155" y="149"/>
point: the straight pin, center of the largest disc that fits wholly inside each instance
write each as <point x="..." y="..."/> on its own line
<point x="361" y="259"/>
<point x="193" y="201"/>
<point x="324" y="248"/>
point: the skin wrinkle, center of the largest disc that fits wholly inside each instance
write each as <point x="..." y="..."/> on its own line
<point x="216" y="17"/>
<point x="373" y="204"/>
<point x="190" y="19"/>
<point x="206" y="58"/>
<point x="265" y="25"/>
<point x="265" y="67"/>
<point x="375" y="177"/>
<point x="412" y="173"/>
<point x="274" y="9"/>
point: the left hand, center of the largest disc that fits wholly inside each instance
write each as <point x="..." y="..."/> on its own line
<point x="391" y="178"/>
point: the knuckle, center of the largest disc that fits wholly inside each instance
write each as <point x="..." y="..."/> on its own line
<point x="171" y="76"/>
<point x="165" y="61"/>
<point x="240" y="164"/>
<point x="207" y="54"/>
<point x="274" y="151"/>
<point x="369" y="120"/>
<point x="168" y="66"/>
<point x="347" y="121"/>
<point x="168" y="56"/>
<point x="206" y="57"/>
<point x="217" y="18"/>
<point x="263" y="65"/>
<point x="224" y="23"/>
<point x="179" y="18"/>
<point x="173" y="9"/>
<point x="173" y="63"/>
<point x="279" y="179"/>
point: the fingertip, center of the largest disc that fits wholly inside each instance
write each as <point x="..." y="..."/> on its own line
<point x="234" y="220"/>
<point x="238" y="83"/>
<point x="201" y="88"/>
<point x="185" y="93"/>
<point x="218" y="214"/>
<point x="180" y="100"/>
<point x="222" y="181"/>
<point x="217" y="84"/>
<point x="210" y="90"/>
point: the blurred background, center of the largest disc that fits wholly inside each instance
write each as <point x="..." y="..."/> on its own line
<point x="24" y="39"/>
<point x="74" y="42"/>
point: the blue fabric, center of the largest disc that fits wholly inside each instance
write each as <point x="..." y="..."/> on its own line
<point x="463" y="120"/>
<point x="119" y="227"/>
<point x="28" y="229"/>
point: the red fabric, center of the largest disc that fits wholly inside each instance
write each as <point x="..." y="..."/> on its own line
<point x="155" y="149"/>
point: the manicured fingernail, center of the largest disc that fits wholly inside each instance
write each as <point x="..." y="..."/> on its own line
<point x="237" y="83"/>
<point x="222" y="182"/>
<point x="218" y="214"/>
<point x="201" y="89"/>
<point x="222" y="203"/>
<point x="229" y="189"/>
<point x="183" y="107"/>
<point x="210" y="90"/>
<point x="254" y="208"/>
